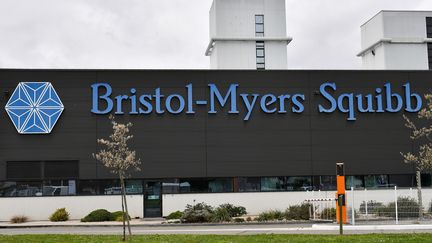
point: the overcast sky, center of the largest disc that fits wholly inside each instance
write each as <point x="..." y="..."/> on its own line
<point x="153" y="34"/>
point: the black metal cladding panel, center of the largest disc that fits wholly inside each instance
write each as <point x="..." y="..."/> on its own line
<point x="61" y="169"/>
<point x="210" y="145"/>
<point x="23" y="170"/>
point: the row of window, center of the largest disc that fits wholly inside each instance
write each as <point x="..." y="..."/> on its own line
<point x="260" y="52"/>
<point x="204" y="185"/>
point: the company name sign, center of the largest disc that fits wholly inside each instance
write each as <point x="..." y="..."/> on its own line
<point x="382" y="100"/>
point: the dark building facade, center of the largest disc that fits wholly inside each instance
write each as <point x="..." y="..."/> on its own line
<point x="283" y="143"/>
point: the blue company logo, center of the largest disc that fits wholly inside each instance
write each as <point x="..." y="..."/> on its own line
<point x="34" y="108"/>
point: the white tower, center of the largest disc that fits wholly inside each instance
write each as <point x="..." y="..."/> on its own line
<point x="397" y="40"/>
<point x="248" y="34"/>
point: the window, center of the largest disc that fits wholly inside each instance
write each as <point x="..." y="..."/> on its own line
<point x="273" y="183"/>
<point x="426" y="180"/>
<point x="259" y="25"/>
<point x="193" y="185"/>
<point x="354" y="181"/>
<point x="402" y="180"/>
<point x="324" y="183"/>
<point x="249" y="184"/>
<point x="28" y="189"/>
<point x="59" y="188"/>
<point x="8" y="189"/>
<point x="299" y="183"/>
<point x="110" y="187"/>
<point x="220" y="185"/>
<point x="429" y="35"/>
<point x="170" y="186"/>
<point x="133" y="187"/>
<point x="260" y="55"/>
<point x="376" y="181"/>
<point x="88" y="187"/>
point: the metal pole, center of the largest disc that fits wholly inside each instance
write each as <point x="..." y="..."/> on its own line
<point x="340" y="203"/>
<point x="352" y="207"/>
<point x="313" y="210"/>
<point x="396" y="205"/>
<point x="366" y="204"/>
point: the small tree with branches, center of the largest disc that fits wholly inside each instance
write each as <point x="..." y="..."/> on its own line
<point x="423" y="159"/>
<point x="119" y="159"/>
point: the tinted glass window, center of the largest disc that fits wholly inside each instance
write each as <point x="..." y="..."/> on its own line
<point x="354" y="181"/>
<point x="220" y="185"/>
<point x="88" y="187"/>
<point x="376" y="181"/>
<point x="193" y="185"/>
<point x="273" y="184"/>
<point x="299" y="183"/>
<point x="249" y="184"/>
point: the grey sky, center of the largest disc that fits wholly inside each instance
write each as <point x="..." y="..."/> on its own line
<point x="153" y="34"/>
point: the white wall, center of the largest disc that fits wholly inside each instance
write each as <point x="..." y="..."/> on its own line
<point x="258" y="202"/>
<point x="407" y="26"/>
<point x="376" y="61"/>
<point x="236" y="18"/>
<point x="372" y="31"/>
<point x="276" y="55"/>
<point x="234" y="55"/>
<point x="406" y="56"/>
<point x="40" y="208"/>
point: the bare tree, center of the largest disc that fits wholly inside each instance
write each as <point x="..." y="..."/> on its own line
<point x="119" y="159"/>
<point x="423" y="159"/>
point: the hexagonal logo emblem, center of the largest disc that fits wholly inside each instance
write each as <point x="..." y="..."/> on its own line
<point x="34" y="108"/>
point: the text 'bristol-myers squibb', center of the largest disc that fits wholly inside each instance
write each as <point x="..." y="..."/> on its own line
<point x="381" y="101"/>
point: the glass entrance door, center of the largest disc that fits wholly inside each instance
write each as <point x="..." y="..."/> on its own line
<point x="153" y="199"/>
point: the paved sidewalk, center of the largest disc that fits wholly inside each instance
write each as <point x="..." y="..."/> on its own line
<point x="78" y="223"/>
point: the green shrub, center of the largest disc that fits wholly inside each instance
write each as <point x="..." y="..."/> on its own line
<point x="249" y="219"/>
<point x="175" y="215"/>
<point x="59" y="215"/>
<point x="197" y="213"/>
<point x="98" y="216"/>
<point x="220" y="214"/>
<point x="297" y="212"/>
<point x="407" y="208"/>
<point x="329" y="213"/>
<point x="371" y="206"/>
<point x="234" y="211"/>
<point x="239" y="220"/>
<point x="19" y="219"/>
<point x="118" y="216"/>
<point x="270" y="215"/>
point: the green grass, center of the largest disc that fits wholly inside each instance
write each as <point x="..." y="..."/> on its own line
<point x="221" y="238"/>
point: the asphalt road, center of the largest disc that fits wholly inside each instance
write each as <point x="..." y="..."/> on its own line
<point x="218" y="229"/>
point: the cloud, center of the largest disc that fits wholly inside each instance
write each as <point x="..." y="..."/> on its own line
<point x="154" y="34"/>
